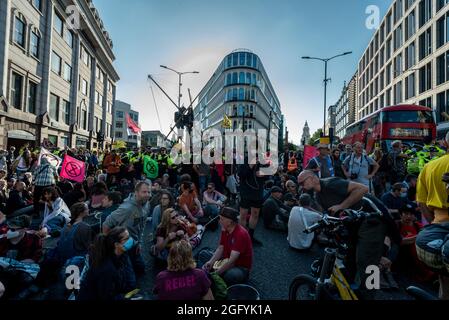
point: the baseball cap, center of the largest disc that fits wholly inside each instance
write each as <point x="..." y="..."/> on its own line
<point x="275" y="189"/>
<point x="230" y="213"/>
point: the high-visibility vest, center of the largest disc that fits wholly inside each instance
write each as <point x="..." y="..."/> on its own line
<point x="292" y="164"/>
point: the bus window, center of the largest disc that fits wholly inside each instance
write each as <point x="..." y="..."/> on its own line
<point x="407" y="116"/>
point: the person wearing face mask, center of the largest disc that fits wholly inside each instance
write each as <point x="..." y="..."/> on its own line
<point x="132" y="214"/>
<point x="395" y="199"/>
<point x="22" y="246"/>
<point x="110" y="275"/>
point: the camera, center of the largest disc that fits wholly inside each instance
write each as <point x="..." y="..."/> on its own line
<point x="354" y="176"/>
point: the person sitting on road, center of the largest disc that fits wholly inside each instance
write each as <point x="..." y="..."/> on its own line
<point x="233" y="258"/>
<point x="292" y="188"/>
<point x="301" y="218"/>
<point x="213" y="200"/>
<point x="18" y="199"/>
<point x="189" y="203"/>
<point x="24" y="247"/>
<point x="182" y="280"/>
<point x="110" y="203"/>
<point x="407" y="260"/>
<point x="274" y="213"/>
<point x="77" y="194"/>
<point x="166" y="201"/>
<point x="56" y="215"/>
<point x="174" y="227"/>
<point x="290" y="200"/>
<point x="395" y="199"/>
<point x="110" y="275"/>
<point x="97" y="195"/>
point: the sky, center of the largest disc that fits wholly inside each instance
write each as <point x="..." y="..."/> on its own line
<point x="195" y="35"/>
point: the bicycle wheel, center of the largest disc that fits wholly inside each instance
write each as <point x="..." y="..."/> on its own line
<point x="303" y="287"/>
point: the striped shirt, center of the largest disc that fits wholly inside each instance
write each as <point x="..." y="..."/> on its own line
<point x="45" y="176"/>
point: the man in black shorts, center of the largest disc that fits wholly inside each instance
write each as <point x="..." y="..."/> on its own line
<point x="251" y="196"/>
<point x="336" y="194"/>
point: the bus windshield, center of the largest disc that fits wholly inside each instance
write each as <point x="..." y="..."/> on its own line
<point x="407" y="116"/>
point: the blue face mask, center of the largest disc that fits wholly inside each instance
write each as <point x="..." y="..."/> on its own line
<point x="128" y="244"/>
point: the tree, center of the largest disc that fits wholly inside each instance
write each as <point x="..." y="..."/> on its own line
<point x="316" y="135"/>
<point x="292" y="147"/>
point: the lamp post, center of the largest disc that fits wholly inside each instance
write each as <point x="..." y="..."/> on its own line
<point x="180" y="74"/>
<point x="326" y="60"/>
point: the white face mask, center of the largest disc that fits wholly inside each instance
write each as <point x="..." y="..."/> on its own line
<point x="12" y="234"/>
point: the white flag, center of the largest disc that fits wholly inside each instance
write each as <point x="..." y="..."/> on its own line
<point x="54" y="160"/>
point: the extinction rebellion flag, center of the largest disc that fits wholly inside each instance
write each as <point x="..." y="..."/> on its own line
<point x="73" y="169"/>
<point x="150" y="167"/>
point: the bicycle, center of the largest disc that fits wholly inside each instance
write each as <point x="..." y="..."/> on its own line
<point x="328" y="279"/>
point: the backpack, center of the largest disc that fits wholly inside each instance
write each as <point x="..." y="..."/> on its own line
<point x="218" y="286"/>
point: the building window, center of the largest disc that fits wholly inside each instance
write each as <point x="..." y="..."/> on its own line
<point x="84" y="119"/>
<point x="410" y="25"/>
<point x="37" y="4"/>
<point x="388" y="74"/>
<point x="53" y="139"/>
<point x="66" y="112"/>
<point x="56" y="62"/>
<point x="119" y="134"/>
<point x="32" y="96"/>
<point x="234" y="78"/>
<point x="119" y="124"/>
<point x="388" y="23"/>
<point x="119" y="114"/>
<point x="388" y="97"/>
<point x="58" y="24"/>
<point x="35" y="40"/>
<point x="235" y="59"/>
<point x="398" y="37"/>
<point x="16" y="90"/>
<point x="64" y="141"/>
<point x="410" y="86"/>
<point x="84" y="87"/>
<point x="388" y="50"/>
<point x="398" y="10"/>
<point x="241" y="77"/>
<point x="425" y="11"/>
<point x="425" y="43"/>
<point x="398" y="65"/>
<point x="54" y="107"/>
<point x="108" y="106"/>
<point x="249" y="58"/>
<point x="441" y="3"/>
<point x="69" y="38"/>
<point x="67" y="72"/>
<point x="425" y="78"/>
<point x="410" y="56"/>
<point x="19" y="31"/>
<point x="442" y="26"/>
<point x="441" y="69"/>
<point x="85" y="56"/>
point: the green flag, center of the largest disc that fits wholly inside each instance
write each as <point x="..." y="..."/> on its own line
<point x="150" y="167"/>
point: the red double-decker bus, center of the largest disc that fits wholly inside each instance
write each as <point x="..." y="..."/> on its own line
<point x="408" y="123"/>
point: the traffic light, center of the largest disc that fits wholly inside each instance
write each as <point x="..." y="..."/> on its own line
<point x="100" y="136"/>
<point x="178" y="120"/>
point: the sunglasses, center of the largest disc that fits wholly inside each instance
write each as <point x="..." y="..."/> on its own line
<point x="175" y="216"/>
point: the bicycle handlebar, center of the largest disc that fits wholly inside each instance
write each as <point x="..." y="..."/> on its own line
<point x="349" y="216"/>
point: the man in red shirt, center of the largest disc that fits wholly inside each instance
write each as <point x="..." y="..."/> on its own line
<point x="234" y="256"/>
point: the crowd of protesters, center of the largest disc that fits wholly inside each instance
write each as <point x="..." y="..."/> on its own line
<point x="48" y="223"/>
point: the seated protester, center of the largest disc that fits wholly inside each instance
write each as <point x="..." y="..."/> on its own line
<point x="410" y="184"/>
<point x="75" y="240"/>
<point x="110" y="275"/>
<point x="234" y="255"/>
<point x="28" y="179"/>
<point x="275" y="214"/>
<point x="290" y="200"/>
<point x="182" y="280"/>
<point x="97" y="195"/>
<point x="18" y="198"/>
<point x="187" y="178"/>
<point x="88" y="185"/>
<point x="165" y="182"/>
<point x="76" y="195"/>
<point x="25" y="248"/>
<point x="110" y="203"/>
<point x="189" y="203"/>
<point x="173" y="228"/>
<point x="3" y="195"/>
<point x="156" y="189"/>
<point x="166" y="201"/>
<point x="395" y="199"/>
<point x="56" y="215"/>
<point x="407" y="261"/>
<point x="267" y="189"/>
<point x="3" y="224"/>
<point x="301" y="218"/>
<point x="126" y="187"/>
<point x="213" y="200"/>
<point x="113" y="185"/>
<point x="292" y="188"/>
<point x="64" y="185"/>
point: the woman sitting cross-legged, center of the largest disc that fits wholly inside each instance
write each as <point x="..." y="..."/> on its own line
<point x="182" y="280"/>
<point x="110" y="275"/>
<point x="174" y="227"/>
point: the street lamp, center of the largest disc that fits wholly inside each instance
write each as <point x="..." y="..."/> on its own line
<point x="326" y="60"/>
<point x="180" y="83"/>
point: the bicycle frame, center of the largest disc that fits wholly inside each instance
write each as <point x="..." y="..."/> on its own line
<point x="332" y="265"/>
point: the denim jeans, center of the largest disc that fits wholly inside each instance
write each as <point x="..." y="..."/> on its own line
<point x="202" y="182"/>
<point x="212" y="210"/>
<point x="236" y="275"/>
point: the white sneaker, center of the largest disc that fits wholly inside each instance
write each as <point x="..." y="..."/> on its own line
<point x="200" y="227"/>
